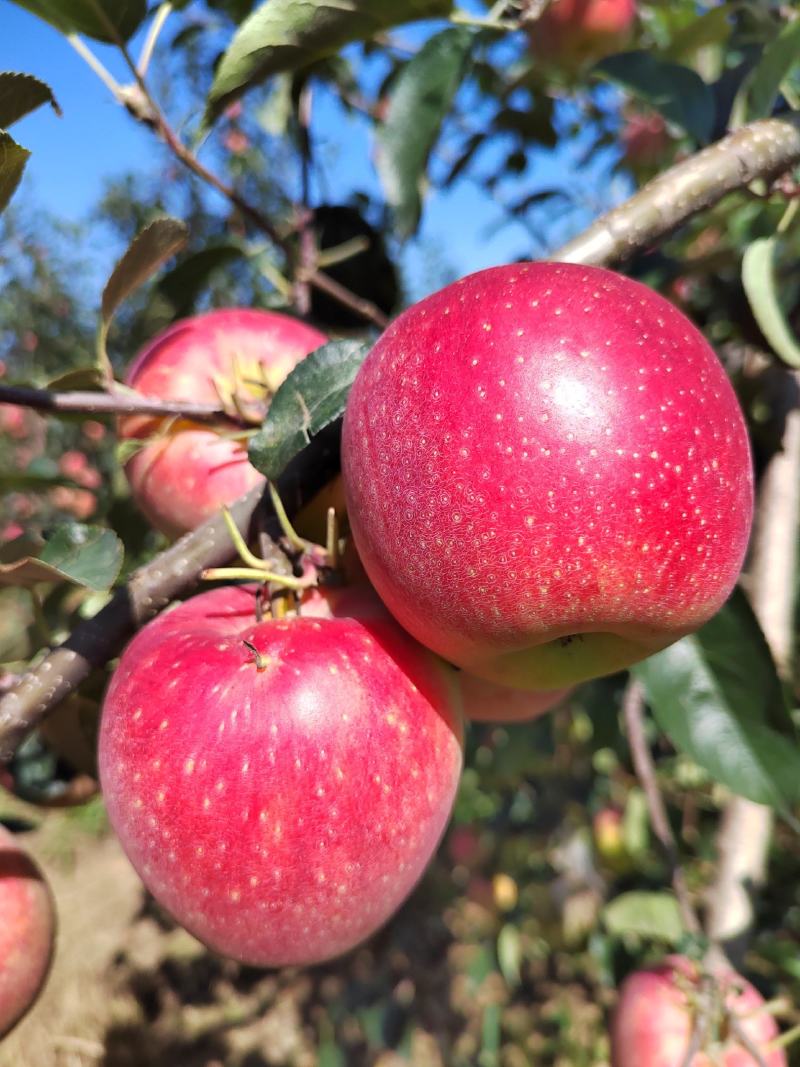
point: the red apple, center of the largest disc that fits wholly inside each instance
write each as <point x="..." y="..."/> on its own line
<point x="280" y="804"/>
<point x="27" y="931"/>
<point x="488" y="702"/>
<point x="645" y="139"/>
<point x="187" y="475"/>
<point x="656" y="1013"/>
<point x="574" y="33"/>
<point x="547" y="473"/>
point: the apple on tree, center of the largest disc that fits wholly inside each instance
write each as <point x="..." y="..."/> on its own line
<point x="27" y="931"/>
<point x="547" y="473"/>
<point x="660" y="1007"/>
<point x="574" y="33"/>
<point x="280" y="785"/>
<point x="235" y="357"/>
<point x="489" y="702"/>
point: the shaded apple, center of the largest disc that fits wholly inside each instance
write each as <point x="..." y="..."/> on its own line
<point x="234" y="357"/>
<point x="574" y="33"/>
<point x="27" y="931"/>
<point x="547" y="473"/>
<point x="280" y="786"/>
<point x="658" y="1008"/>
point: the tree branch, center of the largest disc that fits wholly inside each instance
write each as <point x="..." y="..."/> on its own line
<point x="122" y="403"/>
<point x="764" y="149"/>
<point x="633" y="711"/>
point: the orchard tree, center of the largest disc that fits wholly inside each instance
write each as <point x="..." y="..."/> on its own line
<point x="562" y="486"/>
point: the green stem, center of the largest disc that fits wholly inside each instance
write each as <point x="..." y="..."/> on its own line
<point x="292" y="536"/>
<point x="251" y="574"/>
<point x="161" y="16"/>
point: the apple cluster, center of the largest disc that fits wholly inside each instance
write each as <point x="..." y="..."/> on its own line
<point x="547" y="478"/>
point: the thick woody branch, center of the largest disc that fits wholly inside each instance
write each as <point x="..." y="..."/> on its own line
<point x="764" y="149"/>
<point x="97" y="403"/>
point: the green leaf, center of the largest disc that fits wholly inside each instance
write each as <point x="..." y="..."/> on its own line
<point x="717" y="696"/>
<point x="760" y="282"/>
<point x="678" y="92"/>
<point x="148" y="250"/>
<point x="90" y="556"/>
<point x="421" y="96"/>
<point x="20" y="94"/>
<point x="655" y="916"/>
<point x="509" y="954"/>
<point x="712" y="28"/>
<point x="183" y="284"/>
<point x="104" y="20"/>
<point x="764" y="83"/>
<point x="309" y="399"/>
<point x="287" y="35"/>
<point x="13" y="158"/>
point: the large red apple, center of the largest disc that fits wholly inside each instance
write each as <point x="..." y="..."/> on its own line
<point x="186" y="475"/>
<point x="573" y="33"/>
<point x="658" y="1009"/>
<point x="547" y="473"/>
<point x="281" y="803"/>
<point x="27" y="931"/>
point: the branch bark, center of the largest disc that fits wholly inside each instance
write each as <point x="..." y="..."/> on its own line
<point x="100" y="403"/>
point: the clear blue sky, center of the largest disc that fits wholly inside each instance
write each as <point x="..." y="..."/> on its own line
<point x="96" y="139"/>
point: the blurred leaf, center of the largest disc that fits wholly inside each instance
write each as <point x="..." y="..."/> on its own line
<point x="13" y="158"/>
<point x="509" y="954"/>
<point x="718" y="698"/>
<point x="20" y="94"/>
<point x="148" y="250"/>
<point x="713" y="27"/>
<point x="284" y="35"/>
<point x="183" y="284"/>
<point x="648" y="915"/>
<point x="104" y="20"/>
<point x="81" y="378"/>
<point x="420" y="100"/>
<point x="763" y="85"/>
<point x="84" y="555"/>
<point x="308" y="400"/>
<point x="678" y="92"/>
<point x="761" y="286"/>
<point x="636" y="824"/>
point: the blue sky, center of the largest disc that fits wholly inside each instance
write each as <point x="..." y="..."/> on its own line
<point x="96" y="138"/>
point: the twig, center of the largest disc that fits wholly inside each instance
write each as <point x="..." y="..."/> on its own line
<point x="99" y="403"/>
<point x="88" y="56"/>
<point x="762" y="149"/>
<point x="156" y="26"/>
<point x="633" y="711"/>
<point x="307" y="240"/>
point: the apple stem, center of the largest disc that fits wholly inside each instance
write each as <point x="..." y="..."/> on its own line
<point x="332" y="538"/>
<point x="744" y="1040"/>
<point x="784" y="1040"/>
<point x="292" y="536"/>
<point x="240" y="544"/>
<point x="262" y="661"/>
<point x="253" y="574"/>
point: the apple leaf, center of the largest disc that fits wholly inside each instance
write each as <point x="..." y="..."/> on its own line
<point x="677" y="92"/>
<point x="287" y="35"/>
<point x="309" y="399"/>
<point x="13" y="158"/>
<point x="763" y="85"/>
<point x="90" y="556"/>
<point x="717" y="696"/>
<point x="714" y="27"/>
<point x="104" y="21"/>
<point x="422" y="95"/>
<point x="145" y="254"/>
<point x="183" y="284"/>
<point x="20" y="94"/>
<point x="655" y="916"/>
<point x="760" y="282"/>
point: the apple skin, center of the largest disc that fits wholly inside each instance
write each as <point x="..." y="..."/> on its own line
<point x="488" y="702"/>
<point x="280" y="814"/>
<point x="186" y="477"/>
<point x="653" y="1021"/>
<point x="574" y="33"/>
<point x="27" y="931"/>
<point x="547" y="472"/>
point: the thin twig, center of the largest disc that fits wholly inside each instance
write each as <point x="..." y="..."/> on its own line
<point x="156" y="26"/>
<point x="88" y="56"/>
<point x="633" y="710"/>
<point x="122" y="403"/>
<point x="307" y="240"/>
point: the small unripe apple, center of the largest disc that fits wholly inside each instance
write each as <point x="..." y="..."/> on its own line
<point x="27" y="931"/>
<point x="547" y="472"/>
<point x="659" y="1007"/>
<point x="574" y="33"/>
<point x="489" y="702"/>
<point x="230" y="357"/>
<point x="279" y="786"/>
<point x="645" y="139"/>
